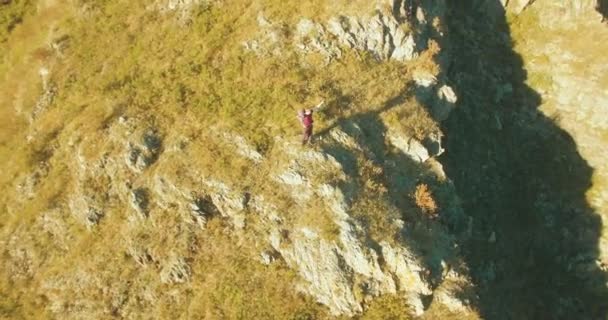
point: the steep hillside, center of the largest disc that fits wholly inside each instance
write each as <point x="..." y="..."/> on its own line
<point x="152" y="168"/>
<point x="152" y="164"/>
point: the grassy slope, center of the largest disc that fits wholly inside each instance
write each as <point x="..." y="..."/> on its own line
<point x="120" y="57"/>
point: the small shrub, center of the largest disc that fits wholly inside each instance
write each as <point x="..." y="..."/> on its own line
<point x="424" y="200"/>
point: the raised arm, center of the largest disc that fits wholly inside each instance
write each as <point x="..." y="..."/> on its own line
<point x="319" y="106"/>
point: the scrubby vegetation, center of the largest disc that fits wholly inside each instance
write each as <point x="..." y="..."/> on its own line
<point x="424" y="199"/>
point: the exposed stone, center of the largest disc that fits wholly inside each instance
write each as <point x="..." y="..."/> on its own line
<point x="312" y="37"/>
<point x="381" y="35"/>
<point x="410" y="147"/>
<point x="445" y="103"/>
<point x="203" y="209"/>
<point x="228" y="203"/>
<point x="342" y="273"/>
<point x="44" y="102"/>
<point x="407" y="270"/>
<point x="424" y="79"/>
<point x="432" y="143"/>
<point x="144" y="152"/>
<point x="140" y="201"/>
<point x="243" y="148"/>
<point x="454" y="292"/>
<point x="267" y="257"/>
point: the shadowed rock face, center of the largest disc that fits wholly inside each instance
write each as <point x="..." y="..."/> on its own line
<point x="602" y="8"/>
<point x="534" y="242"/>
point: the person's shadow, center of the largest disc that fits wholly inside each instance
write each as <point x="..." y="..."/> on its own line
<point x="533" y="250"/>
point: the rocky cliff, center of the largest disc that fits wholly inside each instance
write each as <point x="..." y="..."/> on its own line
<point x="152" y="165"/>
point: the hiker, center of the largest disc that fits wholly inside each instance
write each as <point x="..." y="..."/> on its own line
<point x="305" y="116"/>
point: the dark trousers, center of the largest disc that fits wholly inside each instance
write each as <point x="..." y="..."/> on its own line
<point x="411" y="6"/>
<point x="307" y="135"/>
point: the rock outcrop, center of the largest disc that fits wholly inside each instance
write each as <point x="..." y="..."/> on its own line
<point x="395" y="36"/>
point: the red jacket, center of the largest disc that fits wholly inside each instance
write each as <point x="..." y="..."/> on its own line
<point x="307" y="120"/>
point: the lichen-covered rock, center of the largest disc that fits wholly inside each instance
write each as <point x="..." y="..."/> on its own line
<point x="143" y="152"/>
<point x="381" y="35"/>
<point x="312" y="37"/>
<point x="411" y="147"/>
<point x="348" y="269"/>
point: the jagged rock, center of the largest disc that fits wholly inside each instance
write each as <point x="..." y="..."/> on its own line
<point x="203" y="209"/>
<point x="342" y="273"/>
<point x="432" y="143"/>
<point x="407" y="270"/>
<point x="445" y="103"/>
<point x="332" y="272"/>
<point x="312" y="37"/>
<point x="454" y="292"/>
<point x="140" y="201"/>
<point x="381" y="35"/>
<point x="410" y="147"/>
<point x="243" y="148"/>
<point x="143" y="153"/>
<point x="269" y="256"/>
<point x="228" y="203"/>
